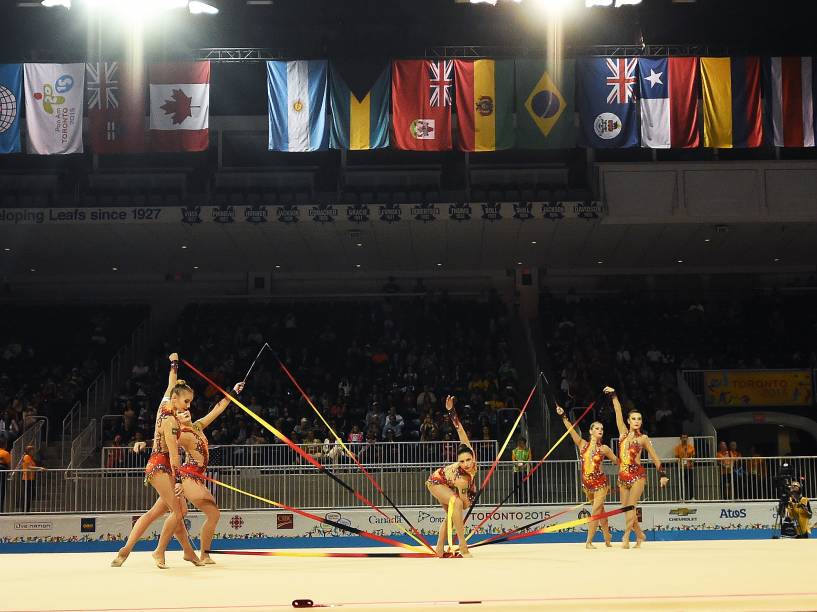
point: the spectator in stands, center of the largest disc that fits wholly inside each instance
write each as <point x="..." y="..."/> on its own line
<point x="685" y="452"/>
<point x="426" y="400"/>
<point x="355" y="436"/>
<point x="393" y="428"/>
<point x="5" y="464"/>
<point x="116" y="454"/>
<point x="429" y="430"/>
<point x="312" y="445"/>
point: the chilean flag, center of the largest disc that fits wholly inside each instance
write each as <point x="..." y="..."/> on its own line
<point x="669" y="102"/>
<point x="790" y="82"/>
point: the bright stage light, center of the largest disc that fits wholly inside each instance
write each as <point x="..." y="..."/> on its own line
<point x="625" y="2"/>
<point x="492" y="2"/>
<point x="51" y="3"/>
<point x="552" y="6"/>
<point x="592" y="3"/>
<point x="201" y="8"/>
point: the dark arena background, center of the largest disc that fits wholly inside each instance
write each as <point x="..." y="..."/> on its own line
<point x="488" y="305"/>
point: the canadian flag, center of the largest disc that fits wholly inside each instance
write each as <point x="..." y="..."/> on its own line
<point x="179" y="106"/>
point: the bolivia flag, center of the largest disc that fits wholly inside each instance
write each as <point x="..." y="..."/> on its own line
<point x="484" y="104"/>
<point x="360" y="119"/>
<point x="731" y="93"/>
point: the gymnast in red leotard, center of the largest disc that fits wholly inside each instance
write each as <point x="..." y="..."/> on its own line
<point x="632" y="477"/>
<point x="594" y="482"/>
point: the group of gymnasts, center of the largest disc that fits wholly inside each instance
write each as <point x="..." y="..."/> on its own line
<point x="453" y="486"/>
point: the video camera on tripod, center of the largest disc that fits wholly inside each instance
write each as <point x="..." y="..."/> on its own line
<point x="782" y="487"/>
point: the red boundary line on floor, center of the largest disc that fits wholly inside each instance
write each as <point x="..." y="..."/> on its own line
<point x="432" y="602"/>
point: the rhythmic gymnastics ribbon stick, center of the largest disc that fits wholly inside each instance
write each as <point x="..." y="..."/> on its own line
<point x="499" y="454"/>
<point x="531" y="472"/>
<point x="306" y="456"/>
<point x="503" y="536"/>
<point x="304" y="513"/>
<point x="266" y="346"/>
<point x="352" y="456"/>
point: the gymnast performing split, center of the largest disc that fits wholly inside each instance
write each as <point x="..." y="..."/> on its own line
<point x="455" y="483"/>
<point x="594" y="482"/>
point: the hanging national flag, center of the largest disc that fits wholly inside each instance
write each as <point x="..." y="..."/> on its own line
<point x="484" y="104"/>
<point x="180" y="106"/>
<point x="116" y="106"/>
<point x="545" y="108"/>
<point x="669" y="102"/>
<point x="297" y="95"/>
<point x="360" y="119"/>
<point x="422" y="93"/>
<point x="11" y="95"/>
<point x="730" y="87"/>
<point x="607" y="94"/>
<point x="789" y="83"/>
<point x="54" y="107"/>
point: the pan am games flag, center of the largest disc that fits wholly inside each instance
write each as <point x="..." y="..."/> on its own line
<point x="11" y="96"/>
<point x="484" y="104"/>
<point x="54" y="107"/>
<point x="360" y="119"/>
<point x="297" y="95"/>
<point x="545" y="109"/>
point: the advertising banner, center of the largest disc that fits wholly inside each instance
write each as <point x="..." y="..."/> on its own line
<point x="758" y="388"/>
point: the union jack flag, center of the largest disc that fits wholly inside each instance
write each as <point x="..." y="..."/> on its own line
<point x="622" y="80"/>
<point x="103" y="85"/>
<point x="441" y="81"/>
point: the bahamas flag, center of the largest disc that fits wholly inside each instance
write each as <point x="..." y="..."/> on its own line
<point x="545" y="104"/>
<point x="484" y="91"/>
<point x="731" y="94"/>
<point x="297" y="94"/>
<point x="360" y="113"/>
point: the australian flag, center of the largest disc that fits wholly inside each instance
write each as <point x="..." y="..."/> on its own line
<point x="606" y="100"/>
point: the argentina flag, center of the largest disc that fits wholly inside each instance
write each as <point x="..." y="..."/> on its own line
<point x="11" y="96"/>
<point x="297" y="94"/>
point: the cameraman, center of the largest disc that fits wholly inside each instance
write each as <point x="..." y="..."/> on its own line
<point x="798" y="509"/>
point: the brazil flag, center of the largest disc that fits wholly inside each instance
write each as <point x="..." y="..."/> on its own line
<point x="544" y="104"/>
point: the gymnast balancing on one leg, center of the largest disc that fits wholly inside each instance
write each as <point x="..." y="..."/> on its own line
<point x="455" y="481"/>
<point x="159" y="470"/>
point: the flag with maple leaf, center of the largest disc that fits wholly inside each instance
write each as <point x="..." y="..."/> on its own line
<point x="179" y="106"/>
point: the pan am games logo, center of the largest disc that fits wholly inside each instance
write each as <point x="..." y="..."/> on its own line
<point x="50" y="94"/>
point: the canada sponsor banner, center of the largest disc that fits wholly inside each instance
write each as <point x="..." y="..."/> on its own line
<point x="758" y="388"/>
<point x="250" y="525"/>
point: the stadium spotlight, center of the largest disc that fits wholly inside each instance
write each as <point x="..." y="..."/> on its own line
<point x="592" y="3"/>
<point x="491" y="2"/>
<point x="201" y="8"/>
<point x="51" y="3"/>
<point x="625" y="2"/>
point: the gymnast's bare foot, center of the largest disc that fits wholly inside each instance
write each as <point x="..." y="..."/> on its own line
<point x="159" y="560"/>
<point x="120" y="559"/>
<point x="639" y="537"/>
<point x="589" y="546"/>
<point x="206" y="560"/>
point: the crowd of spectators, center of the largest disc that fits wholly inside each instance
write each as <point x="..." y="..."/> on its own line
<point x="50" y="354"/>
<point x="637" y="343"/>
<point x="377" y="370"/>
